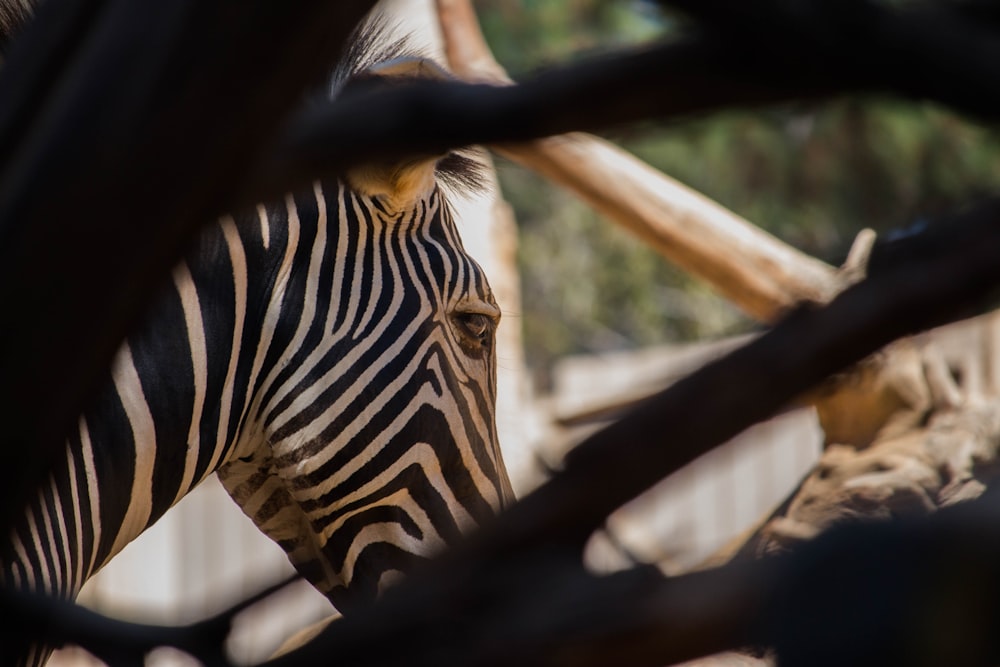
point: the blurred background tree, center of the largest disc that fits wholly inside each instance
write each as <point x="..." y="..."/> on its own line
<point x="811" y="175"/>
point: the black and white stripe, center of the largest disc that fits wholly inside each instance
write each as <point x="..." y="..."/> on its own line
<point x="331" y="356"/>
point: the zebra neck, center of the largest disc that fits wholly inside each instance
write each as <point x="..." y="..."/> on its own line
<point x="173" y="408"/>
<point x="186" y="380"/>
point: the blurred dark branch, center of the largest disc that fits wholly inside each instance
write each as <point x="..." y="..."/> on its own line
<point x="919" y="592"/>
<point x="124" y="128"/>
<point x="916" y="283"/>
<point x="929" y="50"/>
<point x="34" y="76"/>
<point x="919" y="282"/>
<point x="543" y="609"/>
<point x="978" y="10"/>
<point x="922" y="593"/>
<point x="32" y="617"/>
<point x="751" y="54"/>
<point x="428" y="118"/>
<point x="102" y="128"/>
<point x="145" y="117"/>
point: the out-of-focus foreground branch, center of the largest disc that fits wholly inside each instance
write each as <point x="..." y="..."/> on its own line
<point x="119" y="139"/>
<point x="516" y="581"/>
<point x="38" y="618"/>
<point x="516" y="593"/>
<point x="711" y="70"/>
<point x="898" y="413"/>
<point x="503" y="598"/>
<point x="745" y="264"/>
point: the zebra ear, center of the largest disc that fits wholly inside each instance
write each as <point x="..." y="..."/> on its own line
<point x="405" y="181"/>
<point x="411" y="68"/>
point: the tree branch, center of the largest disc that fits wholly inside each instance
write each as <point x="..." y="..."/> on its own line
<point x="124" y="129"/>
<point x="31" y="617"/>
<point x="753" y="269"/>
<point x="429" y="118"/>
<point x="921" y="593"/>
<point x="892" y="55"/>
<point x="116" y="162"/>
<point x="920" y="282"/>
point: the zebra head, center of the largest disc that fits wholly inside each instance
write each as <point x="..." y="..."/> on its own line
<point x="372" y="441"/>
<point x="330" y="355"/>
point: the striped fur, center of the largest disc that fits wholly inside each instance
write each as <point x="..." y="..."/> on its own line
<point x="331" y="356"/>
<point x="317" y="358"/>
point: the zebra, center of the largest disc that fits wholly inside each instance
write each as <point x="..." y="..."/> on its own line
<point x="330" y="356"/>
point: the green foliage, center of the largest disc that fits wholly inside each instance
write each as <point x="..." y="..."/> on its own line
<point x="815" y="176"/>
<point x="588" y="286"/>
<point x="528" y="34"/>
<point x="812" y="176"/>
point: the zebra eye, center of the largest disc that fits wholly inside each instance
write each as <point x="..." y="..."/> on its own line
<point x="475" y="327"/>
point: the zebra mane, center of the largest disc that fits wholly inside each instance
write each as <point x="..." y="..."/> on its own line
<point x="376" y="41"/>
<point x="13" y="15"/>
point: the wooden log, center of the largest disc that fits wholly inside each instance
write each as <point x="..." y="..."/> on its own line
<point x="938" y="449"/>
<point x="745" y="264"/>
<point x="517" y="589"/>
<point x="753" y="269"/>
<point x="891" y="412"/>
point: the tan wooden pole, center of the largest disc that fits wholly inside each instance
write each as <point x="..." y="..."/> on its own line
<point x="753" y="269"/>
